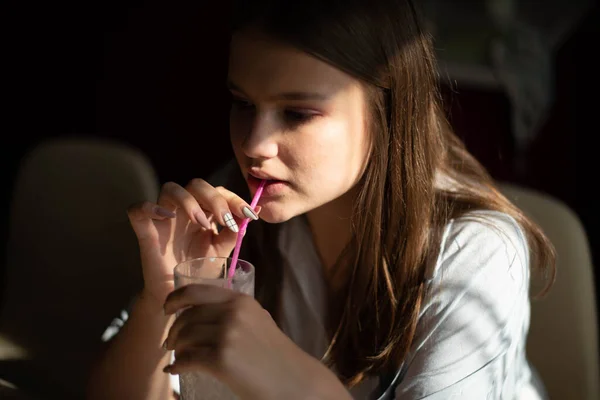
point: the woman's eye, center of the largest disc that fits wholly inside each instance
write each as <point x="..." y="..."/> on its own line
<point x="290" y="116"/>
<point x="296" y="116"/>
<point x="241" y="103"/>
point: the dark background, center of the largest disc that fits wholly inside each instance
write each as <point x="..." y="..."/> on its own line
<point x="153" y="76"/>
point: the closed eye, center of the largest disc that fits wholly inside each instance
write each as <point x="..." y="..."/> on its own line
<point x="291" y="116"/>
<point x="240" y="103"/>
<point x="297" y="117"/>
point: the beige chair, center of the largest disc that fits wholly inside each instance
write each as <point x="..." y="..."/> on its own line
<point x="563" y="336"/>
<point x="72" y="260"/>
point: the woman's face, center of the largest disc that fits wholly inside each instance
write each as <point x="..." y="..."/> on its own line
<point x="297" y="121"/>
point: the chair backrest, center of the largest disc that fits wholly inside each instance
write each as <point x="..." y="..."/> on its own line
<point x="563" y="336"/>
<point x="72" y="258"/>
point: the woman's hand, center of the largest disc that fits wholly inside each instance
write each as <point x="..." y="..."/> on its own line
<point x="181" y="226"/>
<point x="230" y="336"/>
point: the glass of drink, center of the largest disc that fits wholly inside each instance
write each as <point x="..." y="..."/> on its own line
<point x="211" y="271"/>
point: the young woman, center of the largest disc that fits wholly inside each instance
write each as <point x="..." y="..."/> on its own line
<point x="388" y="265"/>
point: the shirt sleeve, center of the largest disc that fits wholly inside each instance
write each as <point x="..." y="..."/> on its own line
<point x="470" y="340"/>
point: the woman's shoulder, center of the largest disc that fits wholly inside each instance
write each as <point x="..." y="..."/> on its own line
<point x="489" y="243"/>
<point x="475" y="313"/>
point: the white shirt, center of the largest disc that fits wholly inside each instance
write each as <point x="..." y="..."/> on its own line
<point x="472" y="329"/>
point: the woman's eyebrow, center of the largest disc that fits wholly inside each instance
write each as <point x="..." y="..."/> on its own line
<point x="291" y="95"/>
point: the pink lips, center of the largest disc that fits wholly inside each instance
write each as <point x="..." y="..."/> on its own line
<point x="261" y="175"/>
<point x="273" y="187"/>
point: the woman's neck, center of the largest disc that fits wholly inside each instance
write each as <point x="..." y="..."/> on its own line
<point x="331" y="228"/>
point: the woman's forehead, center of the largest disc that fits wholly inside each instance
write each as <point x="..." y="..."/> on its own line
<point x="258" y="63"/>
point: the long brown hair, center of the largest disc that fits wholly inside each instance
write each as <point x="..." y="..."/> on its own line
<point x="401" y="209"/>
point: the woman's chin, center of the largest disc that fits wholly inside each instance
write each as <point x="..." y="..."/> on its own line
<point x="274" y="218"/>
<point x="274" y="214"/>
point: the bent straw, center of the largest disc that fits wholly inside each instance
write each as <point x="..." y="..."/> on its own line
<point x="242" y="231"/>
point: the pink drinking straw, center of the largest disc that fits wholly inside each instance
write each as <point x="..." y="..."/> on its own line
<point x="242" y="231"/>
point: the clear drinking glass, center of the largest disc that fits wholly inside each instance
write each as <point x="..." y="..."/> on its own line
<point x="211" y="271"/>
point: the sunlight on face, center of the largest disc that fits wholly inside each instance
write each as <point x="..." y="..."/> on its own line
<point x="297" y="121"/>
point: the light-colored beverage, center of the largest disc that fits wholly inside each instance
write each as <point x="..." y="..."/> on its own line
<point x="196" y="385"/>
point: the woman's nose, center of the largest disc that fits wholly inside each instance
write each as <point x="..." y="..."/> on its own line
<point x="261" y="140"/>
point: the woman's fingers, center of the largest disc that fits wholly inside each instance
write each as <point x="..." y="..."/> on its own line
<point x="237" y="204"/>
<point x="201" y="202"/>
<point x="141" y="216"/>
<point x="191" y="359"/>
<point x="173" y="196"/>
<point x="146" y="209"/>
<point x="194" y="330"/>
<point x="212" y="201"/>
<point x="223" y="204"/>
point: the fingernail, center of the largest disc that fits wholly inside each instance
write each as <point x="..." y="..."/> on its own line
<point x="202" y="220"/>
<point x="163" y="212"/>
<point x="249" y="213"/>
<point x="230" y="222"/>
